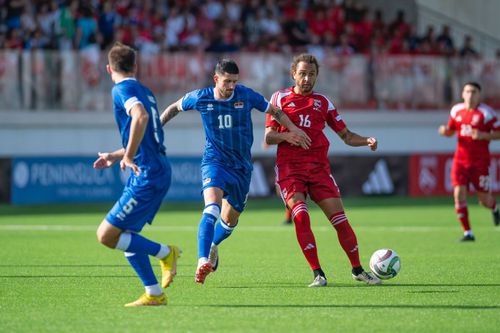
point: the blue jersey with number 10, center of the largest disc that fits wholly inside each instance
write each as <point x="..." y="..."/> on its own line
<point x="150" y="156"/>
<point x="227" y="123"/>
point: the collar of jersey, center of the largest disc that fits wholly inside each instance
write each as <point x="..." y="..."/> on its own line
<point x="223" y="100"/>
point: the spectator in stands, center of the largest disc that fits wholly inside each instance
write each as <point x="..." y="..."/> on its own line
<point x="86" y="29"/>
<point x="447" y="46"/>
<point x="468" y="49"/>
<point x="107" y="21"/>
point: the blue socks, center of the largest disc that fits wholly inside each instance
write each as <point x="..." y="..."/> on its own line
<point x="142" y="266"/>
<point x="222" y="231"/>
<point x="137" y="249"/>
<point x="206" y="229"/>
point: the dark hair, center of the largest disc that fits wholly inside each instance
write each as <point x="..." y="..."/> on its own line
<point x="226" y="66"/>
<point x="121" y="58"/>
<point x="474" y="84"/>
<point x="304" y="57"/>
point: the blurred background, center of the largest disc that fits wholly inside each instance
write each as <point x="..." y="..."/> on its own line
<point x="392" y="68"/>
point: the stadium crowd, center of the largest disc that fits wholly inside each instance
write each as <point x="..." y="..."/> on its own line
<point x="153" y="26"/>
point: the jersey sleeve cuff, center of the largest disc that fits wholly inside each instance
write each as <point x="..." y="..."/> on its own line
<point x="130" y="103"/>
<point x="268" y="107"/>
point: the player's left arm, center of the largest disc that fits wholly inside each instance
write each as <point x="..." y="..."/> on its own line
<point x="137" y="129"/>
<point x="480" y="135"/>
<point x="282" y="118"/>
<point x="356" y="140"/>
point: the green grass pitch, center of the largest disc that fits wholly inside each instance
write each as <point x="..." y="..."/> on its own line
<point x="55" y="277"/>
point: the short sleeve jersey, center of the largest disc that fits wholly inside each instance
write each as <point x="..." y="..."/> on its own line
<point x="484" y="119"/>
<point x="126" y="94"/>
<point x="310" y="113"/>
<point x="227" y="124"/>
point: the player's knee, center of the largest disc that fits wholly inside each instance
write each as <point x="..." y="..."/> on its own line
<point x="105" y="239"/>
<point x="212" y="209"/>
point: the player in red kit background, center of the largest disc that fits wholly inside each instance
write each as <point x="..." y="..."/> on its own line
<point x="472" y="156"/>
<point x="301" y="172"/>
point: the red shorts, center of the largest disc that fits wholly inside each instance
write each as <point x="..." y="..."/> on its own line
<point x="312" y="179"/>
<point x="476" y="174"/>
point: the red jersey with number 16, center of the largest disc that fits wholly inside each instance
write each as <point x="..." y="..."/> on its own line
<point x="482" y="118"/>
<point x="310" y="113"/>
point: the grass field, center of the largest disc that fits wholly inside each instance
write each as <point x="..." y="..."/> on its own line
<point x="55" y="277"/>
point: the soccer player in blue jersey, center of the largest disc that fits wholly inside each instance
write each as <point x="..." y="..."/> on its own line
<point x="226" y="166"/>
<point x="144" y="153"/>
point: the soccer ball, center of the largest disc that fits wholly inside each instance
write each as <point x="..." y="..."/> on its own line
<point x="385" y="263"/>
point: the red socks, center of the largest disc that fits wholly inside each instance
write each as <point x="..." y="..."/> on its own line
<point x="463" y="215"/>
<point x="305" y="236"/>
<point x="346" y="236"/>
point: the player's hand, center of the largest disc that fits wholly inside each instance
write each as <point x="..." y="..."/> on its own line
<point x="372" y="143"/>
<point x="298" y="137"/>
<point x="478" y="135"/>
<point x="128" y="163"/>
<point x="442" y="130"/>
<point x="105" y="160"/>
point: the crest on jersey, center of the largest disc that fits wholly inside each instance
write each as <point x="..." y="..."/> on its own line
<point x="475" y="119"/>
<point x="151" y="99"/>
<point x="239" y="105"/>
<point x="317" y="105"/>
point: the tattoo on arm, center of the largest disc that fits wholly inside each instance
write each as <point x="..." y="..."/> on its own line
<point x="168" y="114"/>
<point x="278" y="114"/>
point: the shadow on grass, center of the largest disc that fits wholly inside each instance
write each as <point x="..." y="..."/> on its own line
<point x="357" y="285"/>
<point x="353" y="306"/>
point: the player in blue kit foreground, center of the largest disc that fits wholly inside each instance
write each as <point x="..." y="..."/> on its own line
<point x="226" y="166"/>
<point x="144" y="153"/>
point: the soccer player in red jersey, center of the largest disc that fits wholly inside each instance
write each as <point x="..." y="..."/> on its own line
<point x="475" y="124"/>
<point x="301" y="172"/>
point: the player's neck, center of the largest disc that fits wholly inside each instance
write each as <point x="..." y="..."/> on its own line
<point x="470" y="107"/>
<point x="218" y="96"/>
<point x="119" y="77"/>
<point x="300" y="92"/>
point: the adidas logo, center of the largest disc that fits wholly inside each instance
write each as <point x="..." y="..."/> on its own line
<point x="379" y="180"/>
<point x="292" y="105"/>
<point x="309" y="247"/>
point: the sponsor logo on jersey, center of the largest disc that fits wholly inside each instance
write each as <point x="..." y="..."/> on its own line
<point x="379" y="180"/>
<point x="239" y="105"/>
<point x="292" y="105"/>
<point x="338" y="118"/>
<point x="210" y="107"/>
<point x="206" y="181"/>
<point x="459" y="118"/>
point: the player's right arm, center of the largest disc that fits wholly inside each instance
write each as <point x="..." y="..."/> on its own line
<point x="106" y="160"/>
<point x="444" y="130"/>
<point x="273" y="137"/>
<point x="170" y="112"/>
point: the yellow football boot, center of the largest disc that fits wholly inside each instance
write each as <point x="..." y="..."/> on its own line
<point x="169" y="266"/>
<point x="149" y="300"/>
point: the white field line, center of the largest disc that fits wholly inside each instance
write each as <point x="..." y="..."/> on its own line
<point x="85" y="228"/>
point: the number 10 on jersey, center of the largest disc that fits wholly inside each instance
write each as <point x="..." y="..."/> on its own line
<point x="225" y="121"/>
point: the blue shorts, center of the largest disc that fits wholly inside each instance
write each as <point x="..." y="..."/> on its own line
<point x="139" y="202"/>
<point x="234" y="183"/>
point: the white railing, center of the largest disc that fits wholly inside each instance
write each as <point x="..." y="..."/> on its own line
<point x="72" y="81"/>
